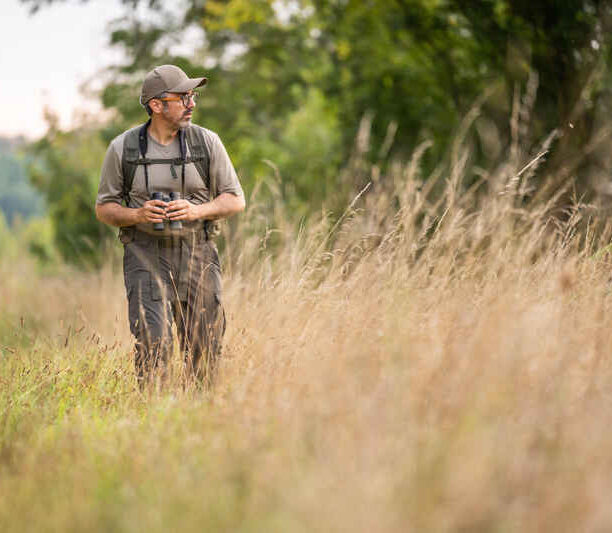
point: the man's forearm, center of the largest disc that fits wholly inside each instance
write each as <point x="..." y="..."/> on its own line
<point x="223" y="206"/>
<point x="117" y="215"/>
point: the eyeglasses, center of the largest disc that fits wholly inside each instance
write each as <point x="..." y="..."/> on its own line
<point x="185" y="98"/>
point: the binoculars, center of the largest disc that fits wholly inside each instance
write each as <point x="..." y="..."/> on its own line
<point x="174" y="224"/>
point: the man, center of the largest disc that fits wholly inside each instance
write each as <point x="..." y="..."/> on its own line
<point x="171" y="266"/>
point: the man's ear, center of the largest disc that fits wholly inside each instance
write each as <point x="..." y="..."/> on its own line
<point x="156" y="106"/>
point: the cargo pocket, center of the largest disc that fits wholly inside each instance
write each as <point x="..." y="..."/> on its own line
<point x="137" y="268"/>
<point x="212" y="281"/>
<point x="156" y="287"/>
<point x="138" y="287"/>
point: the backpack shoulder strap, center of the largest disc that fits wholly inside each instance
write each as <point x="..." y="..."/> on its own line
<point x="132" y="148"/>
<point x="134" y="154"/>
<point x="200" y="157"/>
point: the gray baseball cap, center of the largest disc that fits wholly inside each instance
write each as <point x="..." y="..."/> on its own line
<point x="167" y="78"/>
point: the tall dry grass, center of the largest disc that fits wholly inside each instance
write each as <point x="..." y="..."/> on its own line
<point x="436" y="359"/>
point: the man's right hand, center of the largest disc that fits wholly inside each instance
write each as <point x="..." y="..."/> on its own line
<point x="152" y="211"/>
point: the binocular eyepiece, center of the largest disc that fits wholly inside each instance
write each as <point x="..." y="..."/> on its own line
<point x="174" y="224"/>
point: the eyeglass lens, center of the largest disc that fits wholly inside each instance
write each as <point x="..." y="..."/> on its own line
<point x="187" y="97"/>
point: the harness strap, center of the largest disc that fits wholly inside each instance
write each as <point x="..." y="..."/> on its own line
<point x="183" y="149"/>
<point x="173" y="161"/>
<point x="190" y="139"/>
<point x="142" y="145"/>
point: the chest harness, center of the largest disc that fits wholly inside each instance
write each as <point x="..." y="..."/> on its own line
<point x="135" y="153"/>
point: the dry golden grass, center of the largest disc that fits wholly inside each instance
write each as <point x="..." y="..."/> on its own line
<point x="436" y="361"/>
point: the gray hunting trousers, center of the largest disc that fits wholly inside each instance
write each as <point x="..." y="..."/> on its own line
<point x="174" y="279"/>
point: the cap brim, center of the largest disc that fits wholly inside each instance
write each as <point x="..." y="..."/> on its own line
<point x="188" y="85"/>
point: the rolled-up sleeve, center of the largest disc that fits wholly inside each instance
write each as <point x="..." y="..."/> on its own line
<point x="111" y="177"/>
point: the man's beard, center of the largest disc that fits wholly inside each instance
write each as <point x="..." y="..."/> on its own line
<point x="182" y="122"/>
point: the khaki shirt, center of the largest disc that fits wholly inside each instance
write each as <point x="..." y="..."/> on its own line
<point x="163" y="180"/>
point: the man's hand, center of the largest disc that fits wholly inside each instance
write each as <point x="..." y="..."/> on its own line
<point x="223" y="206"/>
<point x="153" y="211"/>
<point x="183" y="210"/>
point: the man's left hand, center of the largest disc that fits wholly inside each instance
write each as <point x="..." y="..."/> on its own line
<point x="182" y="210"/>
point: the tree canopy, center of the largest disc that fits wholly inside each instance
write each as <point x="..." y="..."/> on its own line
<point x="291" y="80"/>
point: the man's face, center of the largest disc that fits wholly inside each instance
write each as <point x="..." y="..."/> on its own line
<point x="176" y="109"/>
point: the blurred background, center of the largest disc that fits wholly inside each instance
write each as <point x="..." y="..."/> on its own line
<point x="314" y="99"/>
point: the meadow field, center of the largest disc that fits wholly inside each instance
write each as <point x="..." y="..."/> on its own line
<point x="436" y="359"/>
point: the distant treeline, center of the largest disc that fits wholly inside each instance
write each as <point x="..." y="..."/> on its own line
<point x="18" y="199"/>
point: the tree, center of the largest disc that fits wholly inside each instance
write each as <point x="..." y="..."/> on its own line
<point x="291" y="81"/>
<point x="415" y="63"/>
<point x="65" y="168"/>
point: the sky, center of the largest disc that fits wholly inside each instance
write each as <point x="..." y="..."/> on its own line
<point x="45" y="58"/>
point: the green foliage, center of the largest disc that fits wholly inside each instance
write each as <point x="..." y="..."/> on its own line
<point x="292" y="80"/>
<point x="65" y="168"/>
<point x="7" y="242"/>
<point x="39" y="237"/>
<point x="419" y="64"/>
<point x="34" y="237"/>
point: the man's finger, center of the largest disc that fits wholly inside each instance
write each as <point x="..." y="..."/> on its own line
<point x="151" y="210"/>
<point x="176" y="205"/>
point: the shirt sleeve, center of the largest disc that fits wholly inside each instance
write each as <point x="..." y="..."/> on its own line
<point x="111" y="178"/>
<point x="222" y="170"/>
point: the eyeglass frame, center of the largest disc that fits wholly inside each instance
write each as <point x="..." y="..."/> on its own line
<point x="185" y="98"/>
